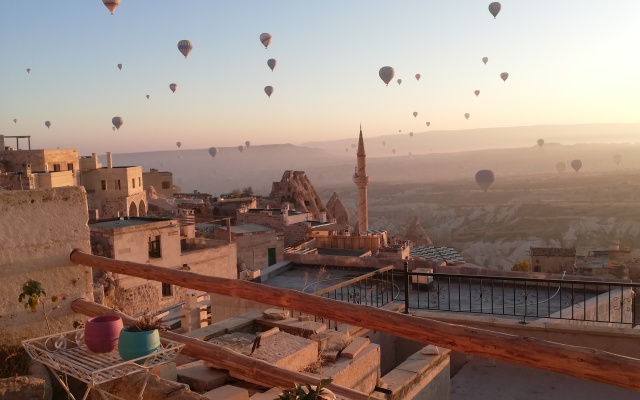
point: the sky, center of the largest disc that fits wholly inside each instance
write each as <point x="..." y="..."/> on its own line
<point x="569" y="62"/>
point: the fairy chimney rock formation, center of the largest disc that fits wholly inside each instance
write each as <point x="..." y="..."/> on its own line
<point x="417" y="235"/>
<point x="296" y="188"/>
<point x="337" y="209"/>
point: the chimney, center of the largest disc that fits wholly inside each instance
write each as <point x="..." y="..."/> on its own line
<point x="109" y="160"/>
<point x="323" y="216"/>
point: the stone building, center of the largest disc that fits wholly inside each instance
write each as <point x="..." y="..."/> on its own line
<point x="552" y="260"/>
<point x="162" y="182"/>
<point x="37" y="169"/>
<point x="259" y="246"/>
<point x="113" y="191"/>
<point x="162" y="242"/>
<point x="228" y="207"/>
<point x="296" y="188"/>
<point x="294" y="224"/>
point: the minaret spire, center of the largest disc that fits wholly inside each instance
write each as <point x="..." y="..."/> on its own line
<point x="362" y="180"/>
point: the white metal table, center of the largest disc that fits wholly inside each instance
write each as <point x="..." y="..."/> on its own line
<point x="65" y="353"/>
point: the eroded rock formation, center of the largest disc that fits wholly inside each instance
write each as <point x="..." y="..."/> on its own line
<point x="296" y="188"/>
<point x="416" y="233"/>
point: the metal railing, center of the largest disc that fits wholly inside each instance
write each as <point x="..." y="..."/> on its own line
<point x="374" y="289"/>
<point x="528" y="298"/>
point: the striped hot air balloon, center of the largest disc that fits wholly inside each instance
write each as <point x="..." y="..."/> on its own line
<point x="265" y="39"/>
<point x="111" y="4"/>
<point x="185" y="47"/>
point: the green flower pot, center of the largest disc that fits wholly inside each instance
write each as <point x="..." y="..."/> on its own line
<point x="132" y="345"/>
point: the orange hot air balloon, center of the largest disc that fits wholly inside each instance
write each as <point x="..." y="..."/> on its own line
<point x="111" y="4"/>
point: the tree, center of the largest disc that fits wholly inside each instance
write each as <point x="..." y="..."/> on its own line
<point x="235" y="193"/>
<point x="522" y="266"/>
<point x="247" y="192"/>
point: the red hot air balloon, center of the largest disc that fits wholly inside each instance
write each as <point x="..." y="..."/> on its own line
<point x="185" y="47"/>
<point x="111" y="4"/>
<point x="485" y="178"/>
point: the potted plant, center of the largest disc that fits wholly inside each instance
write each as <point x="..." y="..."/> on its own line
<point x="101" y="333"/>
<point x="141" y="338"/>
<point x="308" y="392"/>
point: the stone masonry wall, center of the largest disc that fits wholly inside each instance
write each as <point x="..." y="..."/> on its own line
<point x="38" y="231"/>
<point x="294" y="234"/>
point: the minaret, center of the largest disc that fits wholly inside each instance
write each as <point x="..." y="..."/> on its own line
<point x="362" y="180"/>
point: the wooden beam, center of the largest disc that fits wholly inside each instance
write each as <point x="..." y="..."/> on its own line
<point x="580" y="362"/>
<point x="240" y="366"/>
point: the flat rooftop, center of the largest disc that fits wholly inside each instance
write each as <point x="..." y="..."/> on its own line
<point x="248" y="229"/>
<point x="126" y="222"/>
<point x="326" y="251"/>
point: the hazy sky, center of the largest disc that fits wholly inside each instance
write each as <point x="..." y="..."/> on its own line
<point x="569" y="61"/>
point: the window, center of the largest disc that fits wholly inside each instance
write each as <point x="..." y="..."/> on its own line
<point x="117" y="186"/>
<point x="133" y="182"/>
<point x="154" y="247"/>
<point x="69" y="166"/>
<point x="56" y="167"/>
<point x="139" y="181"/>
<point x="166" y="185"/>
<point x="167" y="290"/>
<point x="104" y="184"/>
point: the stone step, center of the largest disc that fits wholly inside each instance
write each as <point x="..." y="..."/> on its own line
<point x="294" y="326"/>
<point x="357" y="345"/>
<point x="201" y="378"/>
<point x="228" y="392"/>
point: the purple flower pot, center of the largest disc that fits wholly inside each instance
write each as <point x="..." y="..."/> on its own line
<point x="101" y="333"/>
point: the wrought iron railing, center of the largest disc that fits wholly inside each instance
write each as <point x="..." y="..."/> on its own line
<point x="528" y="298"/>
<point x="374" y="289"/>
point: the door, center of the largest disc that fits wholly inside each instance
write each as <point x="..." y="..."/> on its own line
<point x="271" y="255"/>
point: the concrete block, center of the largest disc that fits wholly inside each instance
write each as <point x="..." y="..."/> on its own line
<point x="201" y="378"/>
<point x="357" y="345"/>
<point x="227" y="392"/>
<point x="168" y="371"/>
<point x="270" y="394"/>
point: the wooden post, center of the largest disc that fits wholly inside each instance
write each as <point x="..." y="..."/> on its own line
<point x="581" y="362"/>
<point x="240" y="366"/>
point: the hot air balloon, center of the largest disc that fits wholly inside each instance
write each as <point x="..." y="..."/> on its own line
<point x="384" y="143"/>
<point x="265" y="38"/>
<point x="148" y="96"/>
<point x="185" y="47"/>
<point x="561" y="167"/>
<point x="268" y="90"/>
<point x="15" y="120"/>
<point x="47" y="124"/>
<point x="485" y="178"/>
<point x="399" y="130"/>
<point x="272" y="63"/>
<point x="213" y="151"/>
<point x="386" y="74"/>
<point x="179" y="144"/>
<point x="346" y="150"/>
<point x="353" y="146"/>
<point x="247" y="143"/>
<point x="467" y="115"/>
<point x="399" y="81"/>
<point x="540" y="142"/>
<point x="494" y="9"/>
<point x="173" y="87"/>
<point x="418" y="77"/>
<point x="504" y="76"/>
<point x="411" y="134"/>
<point x="477" y="92"/>
<point x="240" y="148"/>
<point x="120" y="67"/>
<point x="117" y="122"/>
<point x="111" y="4"/>
<point x="617" y="158"/>
<point x="576" y="165"/>
<point x="28" y="70"/>
<point x="428" y="123"/>
<point x="393" y="151"/>
<point x="485" y="60"/>
<point x="415" y="114"/>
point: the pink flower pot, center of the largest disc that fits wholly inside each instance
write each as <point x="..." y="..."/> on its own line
<point x="101" y="333"/>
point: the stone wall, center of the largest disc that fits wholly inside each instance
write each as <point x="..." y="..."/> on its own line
<point x="41" y="160"/>
<point x="294" y="234"/>
<point x="38" y="231"/>
<point x="17" y="181"/>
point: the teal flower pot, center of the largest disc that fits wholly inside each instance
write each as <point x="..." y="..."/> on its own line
<point x="133" y="345"/>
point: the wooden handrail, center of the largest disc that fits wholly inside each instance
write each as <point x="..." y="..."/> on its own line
<point x="239" y="366"/>
<point x="354" y="280"/>
<point x="581" y="362"/>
